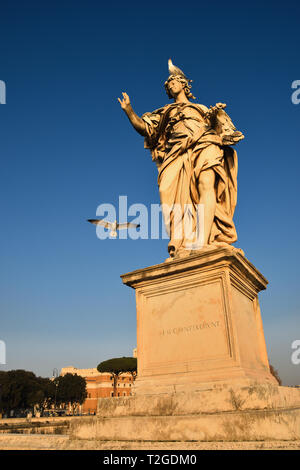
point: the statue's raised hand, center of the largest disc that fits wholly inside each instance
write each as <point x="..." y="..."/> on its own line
<point x="135" y="120"/>
<point x="125" y="102"/>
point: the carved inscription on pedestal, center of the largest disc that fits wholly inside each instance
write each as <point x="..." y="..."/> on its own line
<point x="189" y="329"/>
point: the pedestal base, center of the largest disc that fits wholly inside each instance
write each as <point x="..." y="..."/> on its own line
<point x="258" y="412"/>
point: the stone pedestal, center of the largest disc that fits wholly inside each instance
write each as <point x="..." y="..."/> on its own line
<point x="199" y="323"/>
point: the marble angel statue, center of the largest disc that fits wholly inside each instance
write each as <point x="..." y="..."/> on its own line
<point x="197" y="166"/>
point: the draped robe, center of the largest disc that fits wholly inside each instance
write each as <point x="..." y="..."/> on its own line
<point x="183" y="144"/>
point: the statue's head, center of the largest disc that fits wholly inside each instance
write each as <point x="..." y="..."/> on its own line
<point x="177" y="81"/>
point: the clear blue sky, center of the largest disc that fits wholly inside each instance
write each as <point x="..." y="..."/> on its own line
<point x="67" y="147"/>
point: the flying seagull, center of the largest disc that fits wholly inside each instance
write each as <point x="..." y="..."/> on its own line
<point x="113" y="226"/>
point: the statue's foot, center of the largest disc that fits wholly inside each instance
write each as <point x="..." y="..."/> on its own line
<point x="216" y="245"/>
<point x="227" y="245"/>
<point x="177" y="254"/>
<point x="184" y="253"/>
<point x="171" y="253"/>
<point x="202" y="248"/>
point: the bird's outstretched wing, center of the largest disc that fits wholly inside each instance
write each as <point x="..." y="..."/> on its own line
<point x="100" y="222"/>
<point x="127" y="225"/>
<point x="223" y="125"/>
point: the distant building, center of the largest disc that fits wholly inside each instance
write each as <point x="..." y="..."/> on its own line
<point x="100" y="385"/>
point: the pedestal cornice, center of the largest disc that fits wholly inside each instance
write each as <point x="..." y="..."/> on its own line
<point x="206" y="259"/>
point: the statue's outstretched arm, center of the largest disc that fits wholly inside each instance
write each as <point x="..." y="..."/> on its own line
<point x="135" y="120"/>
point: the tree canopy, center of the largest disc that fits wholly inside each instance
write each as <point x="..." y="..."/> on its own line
<point x="71" y="388"/>
<point x="118" y="365"/>
<point x="21" y="389"/>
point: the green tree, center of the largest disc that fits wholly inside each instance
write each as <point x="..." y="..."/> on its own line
<point x="71" y="389"/>
<point x="47" y="397"/>
<point x="118" y="366"/>
<point x="2" y="387"/>
<point x="21" y="389"/>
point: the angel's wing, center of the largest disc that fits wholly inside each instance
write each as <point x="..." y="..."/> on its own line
<point x="128" y="225"/>
<point x="100" y="222"/>
<point x="223" y="125"/>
